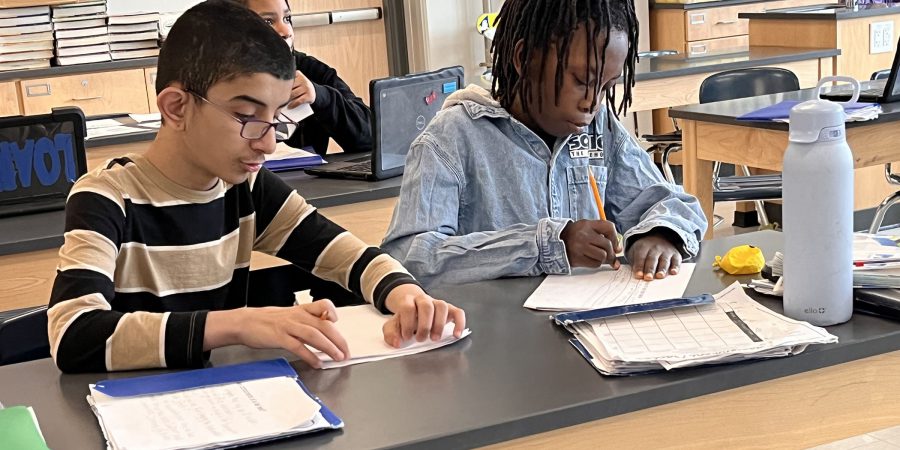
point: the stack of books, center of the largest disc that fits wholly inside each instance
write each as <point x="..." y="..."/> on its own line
<point x="81" y="33"/>
<point x="734" y="328"/>
<point x="134" y="35"/>
<point x="26" y="39"/>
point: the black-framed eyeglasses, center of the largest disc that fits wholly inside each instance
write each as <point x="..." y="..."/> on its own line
<point x="253" y="129"/>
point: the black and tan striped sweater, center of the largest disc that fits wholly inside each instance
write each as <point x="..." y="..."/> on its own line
<point x="144" y="259"/>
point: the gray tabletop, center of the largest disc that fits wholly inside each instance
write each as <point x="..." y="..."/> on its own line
<point x="727" y="112"/>
<point x="44" y="230"/>
<point x="824" y="12"/>
<point x="515" y="375"/>
<point x="678" y="65"/>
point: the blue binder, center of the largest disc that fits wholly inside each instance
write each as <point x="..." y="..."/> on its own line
<point x="613" y="311"/>
<point x="216" y="376"/>
<point x="782" y="110"/>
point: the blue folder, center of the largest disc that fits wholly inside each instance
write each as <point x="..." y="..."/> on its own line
<point x="782" y="110"/>
<point x="613" y="311"/>
<point x="215" y="376"/>
<point x="281" y="165"/>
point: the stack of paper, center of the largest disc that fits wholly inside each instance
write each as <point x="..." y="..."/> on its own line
<point x="876" y="264"/>
<point x="134" y="35"/>
<point x="734" y="328"/>
<point x="20" y="429"/>
<point x="601" y="288"/>
<point x="81" y="33"/>
<point x="208" y="408"/>
<point x="362" y="326"/>
<point x="25" y="38"/>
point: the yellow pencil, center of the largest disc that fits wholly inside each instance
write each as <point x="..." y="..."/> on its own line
<point x="596" y="192"/>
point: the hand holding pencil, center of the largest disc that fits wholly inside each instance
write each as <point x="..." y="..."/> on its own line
<point x="592" y="243"/>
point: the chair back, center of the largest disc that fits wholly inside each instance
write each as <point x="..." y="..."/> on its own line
<point x="23" y="335"/>
<point x="881" y="74"/>
<point x="740" y="83"/>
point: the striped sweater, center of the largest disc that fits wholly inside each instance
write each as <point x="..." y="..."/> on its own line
<point x="144" y="259"/>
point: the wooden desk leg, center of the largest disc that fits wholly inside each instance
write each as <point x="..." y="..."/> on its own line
<point x="697" y="173"/>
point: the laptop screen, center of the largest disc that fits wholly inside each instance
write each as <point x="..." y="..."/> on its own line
<point x="39" y="158"/>
<point x="403" y="110"/>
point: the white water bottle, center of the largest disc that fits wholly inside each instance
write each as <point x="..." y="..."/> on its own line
<point x="818" y="213"/>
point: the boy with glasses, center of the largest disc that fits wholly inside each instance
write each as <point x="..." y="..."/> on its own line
<point x="154" y="269"/>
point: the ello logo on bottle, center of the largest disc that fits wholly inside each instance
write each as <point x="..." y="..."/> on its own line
<point x="814" y="310"/>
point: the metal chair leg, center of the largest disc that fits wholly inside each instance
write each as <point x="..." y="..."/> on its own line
<point x="760" y="205"/>
<point x="882" y="210"/>
<point x="667" y="169"/>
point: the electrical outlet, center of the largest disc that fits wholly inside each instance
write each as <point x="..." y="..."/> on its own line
<point x="881" y="37"/>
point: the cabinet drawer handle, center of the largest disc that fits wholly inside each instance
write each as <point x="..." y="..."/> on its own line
<point x="38" y="90"/>
<point x="726" y="22"/>
<point x="698" y="49"/>
<point x="355" y="15"/>
<point x="78" y="99"/>
<point x="311" y="20"/>
<point x="698" y="18"/>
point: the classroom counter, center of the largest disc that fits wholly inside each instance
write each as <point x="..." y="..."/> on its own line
<point x="26" y="233"/>
<point x="515" y="376"/>
<point x="825" y="12"/>
<point x="727" y="112"/>
<point x="702" y="5"/>
<point x="78" y="68"/>
<point x="756" y="56"/>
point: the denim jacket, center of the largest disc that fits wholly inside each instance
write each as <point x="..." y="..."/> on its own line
<point x="483" y="197"/>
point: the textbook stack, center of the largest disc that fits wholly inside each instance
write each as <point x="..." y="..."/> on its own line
<point x="81" y="34"/>
<point x="26" y="38"/>
<point x="134" y="35"/>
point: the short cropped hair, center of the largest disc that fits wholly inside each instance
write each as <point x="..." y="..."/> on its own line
<point x="218" y="40"/>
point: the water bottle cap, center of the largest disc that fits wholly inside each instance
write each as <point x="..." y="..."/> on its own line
<point x="810" y="117"/>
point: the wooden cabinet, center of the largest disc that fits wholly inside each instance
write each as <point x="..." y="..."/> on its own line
<point x="711" y="23"/>
<point x="122" y="91"/>
<point x="150" y="83"/>
<point x="708" y="29"/>
<point x="9" y="99"/>
<point x="709" y="46"/>
<point x="356" y="49"/>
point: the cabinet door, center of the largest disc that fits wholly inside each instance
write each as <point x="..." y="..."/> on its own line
<point x="9" y="99"/>
<point x="122" y="91"/>
<point x="356" y="49"/>
<point x="150" y="77"/>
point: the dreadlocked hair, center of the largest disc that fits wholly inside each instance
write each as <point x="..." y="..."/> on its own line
<point x="540" y="23"/>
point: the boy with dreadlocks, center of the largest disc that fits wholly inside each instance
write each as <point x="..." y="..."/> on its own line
<point x="497" y="185"/>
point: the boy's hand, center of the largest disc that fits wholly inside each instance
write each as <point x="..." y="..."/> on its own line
<point x="417" y="314"/>
<point x="290" y="328"/>
<point x="302" y="92"/>
<point x="654" y="256"/>
<point x="591" y="243"/>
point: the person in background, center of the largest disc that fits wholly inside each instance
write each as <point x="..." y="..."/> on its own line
<point x="339" y="113"/>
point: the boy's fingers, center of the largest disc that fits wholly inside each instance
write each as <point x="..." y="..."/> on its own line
<point x="391" y="331"/>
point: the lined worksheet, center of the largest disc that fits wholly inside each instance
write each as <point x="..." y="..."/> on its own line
<point x="605" y="287"/>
